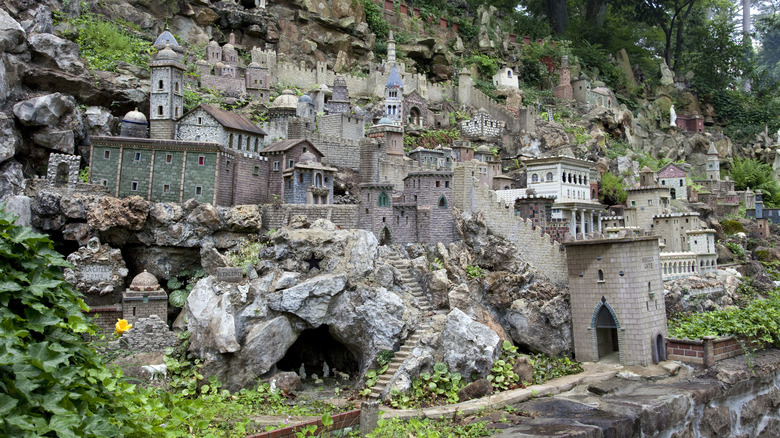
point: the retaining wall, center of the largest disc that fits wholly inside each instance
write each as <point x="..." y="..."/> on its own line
<point x="340" y="421"/>
<point x="706" y="351"/>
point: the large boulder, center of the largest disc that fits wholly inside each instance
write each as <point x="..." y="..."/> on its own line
<point x="12" y="36"/>
<point x="470" y="347"/>
<point x="542" y="327"/>
<point x="310" y="300"/>
<point x="11" y="179"/>
<point x="51" y="51"/>
<point x="130" y="213"/>
<point x="100" y="121"/>
<point x="211" y="321"/>
<point x="10" y="140"/>
<point x="265" y="344"/>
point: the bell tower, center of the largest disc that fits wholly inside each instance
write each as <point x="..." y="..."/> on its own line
<point x="166" y="96"/>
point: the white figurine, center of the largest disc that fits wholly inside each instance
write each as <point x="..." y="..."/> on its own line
<point x="672" y="116"/>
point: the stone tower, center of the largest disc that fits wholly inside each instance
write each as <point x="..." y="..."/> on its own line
<point x="464" y="87"/>
<point x="134" y="124"/>
<point x="339" y="102"/>
<point x="646" y="177"/>
<point x="391" y="49"/>
<point x="390" y="135"/>
<point x="394" y="97"/>
<point x="166" y="98"/>
<point x="144" y="298"/>
<point x="713" y="164"/>
<point x="610" y="280"/>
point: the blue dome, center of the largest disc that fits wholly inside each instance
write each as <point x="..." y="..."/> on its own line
<point x="166" y="39"/>
<point x="304" y="99"/>
<point x="384" y="121"/>
<point x="394" y="80"/>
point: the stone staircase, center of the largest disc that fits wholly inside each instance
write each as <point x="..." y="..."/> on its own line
<point x="380" y="388"/>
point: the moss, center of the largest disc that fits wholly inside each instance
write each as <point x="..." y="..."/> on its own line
<point x="762" y="255"/>
<point x="731" y="226"/>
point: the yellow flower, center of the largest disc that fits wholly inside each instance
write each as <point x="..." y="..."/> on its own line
<point x="122" y="326"/>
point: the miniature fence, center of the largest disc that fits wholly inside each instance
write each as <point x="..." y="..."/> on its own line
<point x="706" y="351"/>
<point x="340" y="421"/>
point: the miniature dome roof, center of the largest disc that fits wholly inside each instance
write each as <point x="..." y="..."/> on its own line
<point x="144" y="281"/>
<point x="201" y="62"/>
<point x="135" y="116"/>
<point x="484" y="150"/>
<point x="228" y="46"/>
<point x="213" y="43"/>
<point x="286" y="100"/>
<point x="394" y="80"/>
<point x="166" y="54"/>
<point x="166" y="39"/>
<point x="384" y="121"/>
<point x="304" y="99"/>
<point x="339" y="82"/>
<point x="253" y="65"/>
<point x="645" y="169"/>
<point x="219" y="65"/>
<point x="307" y="157"/>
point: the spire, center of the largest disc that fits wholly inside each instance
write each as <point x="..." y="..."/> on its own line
<point x="712" y="150"/>
<point x="391" y="49"/>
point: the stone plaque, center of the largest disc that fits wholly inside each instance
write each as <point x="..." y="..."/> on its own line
<point x="230" y="275"/>
<point x="96" y="273"/>
<point x="647" y="263"/>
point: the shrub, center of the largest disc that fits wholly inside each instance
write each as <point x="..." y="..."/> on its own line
<point x="429" y="389"/>
<point x="502" y="375"/>
<point x="612" y="190"/>
<point x="104" y="43"/>
<point x="731" y="226"/>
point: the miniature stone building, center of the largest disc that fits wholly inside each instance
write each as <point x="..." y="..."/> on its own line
<point x="568" y="180"/>
<point x="394" y="87"/>
<point x="309" y="181"/>
<point x="416" y="109"/>
<point x="134" y="124"/>
<point x="233" y="131"/>
<point x="166" y="97"/>
<point x="432" y="159"/>
<point x="482" y="127"/>
<point x="718" y="194"/>
<point x="144" y="298"/>
<point x="617" y="300"/>
<point x="150" y="334"/>
<point x="564" y="88"/>
<point x="593" y="93"/>
<point x="690" y="123"/>
<point x="673" y="176"/>
<point x="505" y="78"/>
<point x="63" y="170"/>
<point x="339" y="102"/>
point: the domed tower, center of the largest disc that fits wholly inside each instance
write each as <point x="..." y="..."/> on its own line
<point x="339" y="103"/>
<point x="144" y="298"/>
<point x="134" y="124"/>
<point x="713" y="164"/>
<point x="305" y="107"/>
<point x="285" y="105"/>
<point x="166" y="39"/>
<point x="646" y="177"/>
<point x="213" y="53"/>
<point x="229" y="55"/>
<point x="389" y="133"/>
<point x="394" y="97"/>
<point x="166" y="97"/>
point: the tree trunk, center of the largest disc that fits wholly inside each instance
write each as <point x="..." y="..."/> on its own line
<point x="558" y="16"/>
<point x="678" y="44"/>
<point x="596" y="12"/>
<point x="746" y="18"/>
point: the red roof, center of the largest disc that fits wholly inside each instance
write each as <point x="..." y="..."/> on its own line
<point x="671" y="171"/>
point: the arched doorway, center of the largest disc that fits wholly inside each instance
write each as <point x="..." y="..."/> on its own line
<point x="385" y="238"/>
<point x="673" y="193"/>
<point x="414" y="116"/>
<point x="606" y="327"/>
<point x="316" y="347"/>
<point x="61" y="177"/>
<point x="659" y="348"/>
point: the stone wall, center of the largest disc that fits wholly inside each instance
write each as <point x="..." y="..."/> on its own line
<point x="276" y="216"/>
<point x="538" y="249"/>
<point x="706" y="351"/>
<point x="105" y="317"/>
<point x="338" y="151"/>
<point x="150" y="335"/>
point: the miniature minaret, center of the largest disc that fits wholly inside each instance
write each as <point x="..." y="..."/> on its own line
<point x="390" y="49"/>
<point x="713" y="164"/>
<point x="166" y="99"/>
<point x="394" y="97"/>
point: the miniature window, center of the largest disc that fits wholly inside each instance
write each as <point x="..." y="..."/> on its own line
<point x="107" y="155"/>
<point x="534" y="178"/>
<point x="104" y="182"/>
<point x="176" y="112"/>
<point x="200" y="120"/>
<point x="159" y="110"/>
<point x="300" y="178"/>
<point x="633" y="204"/>
<point x="198" y="190"/>
<point x="166" y="188"/>
<point x="383" y="200"/>
<point x="276" y="166"/>
<point x="304" y="149"/>
<point x="248" y="140"/>
<point x="649" y="202"/>
<point x="549" y="176"/>
<point x="601" y="276"/>
<point x="176" y="87"/>
<point x="682" y="182"/>
<point x="160" y="85"/>
<point x="227" y="166"/>
<point x="446" y="184"/>
<point x="230" y="141"/>
<point x="326" y="180"/>
<point x="257" y="145"/>
<point x="137" y="156"/>
<point x="238" y="146"/>
<point x="134" y="186"/>
<point x="442" y="202"/>
<point x="290" y="163"/>
<point x="168" y="158"/>
<point x="201" y="160"/>
<point x="256" y="170"/>
<point x="509" y="73"/>
<point x="437" y="183"/>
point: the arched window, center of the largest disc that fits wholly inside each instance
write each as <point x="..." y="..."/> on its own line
<point x="601" y="275"/>
<point x="442" y="202"/>
<point x="383" y="200"/>
<point x="569" y="178"/>
<point x="649" y="288"/>
<point x="534" y="178"/>
<point x="509" y="73"/>
<point x="318" y="180"/>
<point x="549" y="176"/>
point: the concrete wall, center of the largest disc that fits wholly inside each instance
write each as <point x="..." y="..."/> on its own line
<point x="276" y="216"/>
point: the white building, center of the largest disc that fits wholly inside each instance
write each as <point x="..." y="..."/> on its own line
<point x="505" y="78"/>
<point x="569" y="181"/>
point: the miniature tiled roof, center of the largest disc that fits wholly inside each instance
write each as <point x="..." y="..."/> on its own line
<point x="394" y="80"/>
<point x="285" y="145"/>
<point x="166" y="39"/>
<point x="712" y="150"/>
<point x="671" y="170"/>
<point x="231" y="120"/>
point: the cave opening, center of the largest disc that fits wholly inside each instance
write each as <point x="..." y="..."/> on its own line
<point x="314" y="348"/>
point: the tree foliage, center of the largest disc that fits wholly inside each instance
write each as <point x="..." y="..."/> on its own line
<point x="748" y="172"/>
<point x="613" y="191"/>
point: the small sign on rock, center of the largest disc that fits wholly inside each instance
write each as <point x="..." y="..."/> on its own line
<point x="230" y="275"/>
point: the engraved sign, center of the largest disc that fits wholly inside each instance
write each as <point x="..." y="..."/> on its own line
<point x="647" y="262"/>
<point x="230" y="275"/>
<point x="96" y="273"/>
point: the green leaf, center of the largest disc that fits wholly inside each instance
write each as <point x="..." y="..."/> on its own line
<point x="7" y="404"/>
<point x="178" y="298"/>
<point x="64" y="425"/>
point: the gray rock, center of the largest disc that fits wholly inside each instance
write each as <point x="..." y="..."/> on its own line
<point x="384" y="276"/>
<point x="310" y="300"/>
<point x="287" y="280"/>
<point x="10" y="139"/>
<point x="545" y="329"/>
<point x="471" y="347"/>
<point x="40" y="21"/>
<point x="247" y="218"/>
<point x="44" y="110"/>
<point x="12" y="36"/>
<point x="210" y="320"/>
<point x="265" y="344"/>
<point x="19" y="206"/>
<point x="52" y="51"/>
<point x="100" y="121"/>
<point x="59" y="140"/>
<point x="286" y="381"/>
<point x="477" y="389"/>
<point x="11" y="179"/>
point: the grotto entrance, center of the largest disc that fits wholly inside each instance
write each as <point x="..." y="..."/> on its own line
<point x="314" y="348"/>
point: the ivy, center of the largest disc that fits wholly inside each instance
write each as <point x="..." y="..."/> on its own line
<point x="439" y="387"/>
<point x="105" y="43"/>
<point x="548" y="368"/>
